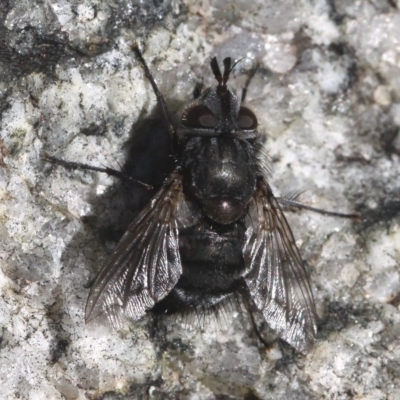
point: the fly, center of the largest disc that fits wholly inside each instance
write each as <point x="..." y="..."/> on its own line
<point x="213" y="231"/>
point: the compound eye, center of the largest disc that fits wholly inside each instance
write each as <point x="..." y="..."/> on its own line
<point x="247" y="119"/>
<point x="198" y="116"/>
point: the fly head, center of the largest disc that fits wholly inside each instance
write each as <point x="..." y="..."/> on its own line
<point x="218" y="111"/>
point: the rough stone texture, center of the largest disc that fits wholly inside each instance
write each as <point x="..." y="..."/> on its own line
<point x="327" y="98"/>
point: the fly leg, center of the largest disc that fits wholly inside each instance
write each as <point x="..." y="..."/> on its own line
<point x="291" y="202"/>
<point x="251" y="310"/>
<point x="109" y="171"/>
<point x="160" y="100"/>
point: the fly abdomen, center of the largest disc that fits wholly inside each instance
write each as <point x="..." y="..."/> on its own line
<point x="212" y="267"/>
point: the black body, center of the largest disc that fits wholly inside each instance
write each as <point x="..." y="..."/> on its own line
<point x="219" y="175"/>
<point x="214" y="230"/>
<point x="212" y="267"/>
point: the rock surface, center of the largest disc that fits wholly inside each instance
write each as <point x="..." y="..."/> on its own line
<point x="327" y="96"/>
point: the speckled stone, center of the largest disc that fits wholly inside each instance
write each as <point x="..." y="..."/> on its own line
<point x="327" y="98"/>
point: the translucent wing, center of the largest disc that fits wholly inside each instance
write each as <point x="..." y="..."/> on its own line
<point x="276" y="277"/>
<point x="146" y="265"/>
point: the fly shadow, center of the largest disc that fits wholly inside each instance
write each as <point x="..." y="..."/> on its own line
<point x="148" y="160"/>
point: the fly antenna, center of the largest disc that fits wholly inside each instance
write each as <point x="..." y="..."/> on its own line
<point x="216" y="71"/>
<point x="227" y="70"/>
<point x="222" y="79"/>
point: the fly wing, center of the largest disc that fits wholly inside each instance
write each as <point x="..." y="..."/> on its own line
<point x="146" y="265"/>
<point x="276" y="278"/>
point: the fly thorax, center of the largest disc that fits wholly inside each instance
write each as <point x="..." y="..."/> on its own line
<point x="220" y="175"/>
